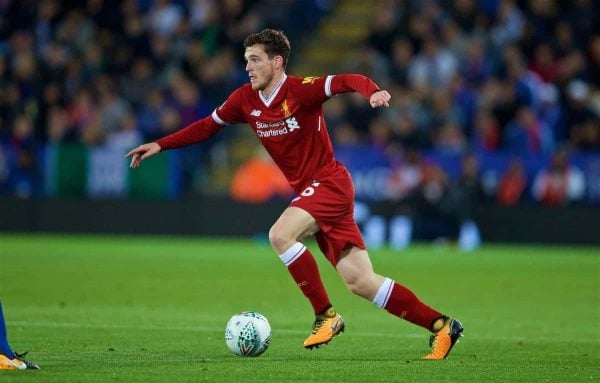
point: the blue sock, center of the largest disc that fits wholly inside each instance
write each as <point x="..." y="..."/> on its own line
<point x="4" y="347"/>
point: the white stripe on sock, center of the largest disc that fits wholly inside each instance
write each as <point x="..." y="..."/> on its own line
<point x="294" y="252"/>
<point x="384" y="292"/>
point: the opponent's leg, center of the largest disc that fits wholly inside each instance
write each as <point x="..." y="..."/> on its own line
<point x="10" y="360"/>
<point x="4" y="346"/>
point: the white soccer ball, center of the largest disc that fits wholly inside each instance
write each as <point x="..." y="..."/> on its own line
<point x="248" y="333"/>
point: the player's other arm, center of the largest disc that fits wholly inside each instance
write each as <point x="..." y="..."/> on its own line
<point x="228" y="113"/>
<point x="344" y="83"/>
<point x="196" y="132"/>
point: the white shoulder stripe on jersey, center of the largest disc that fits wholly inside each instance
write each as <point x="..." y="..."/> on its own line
<point x="217" y="119"/>
<point x="328" y="85"/>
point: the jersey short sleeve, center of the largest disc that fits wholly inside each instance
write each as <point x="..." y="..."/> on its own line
<point x="230" y="112"/>
<point x="313" y="90"/>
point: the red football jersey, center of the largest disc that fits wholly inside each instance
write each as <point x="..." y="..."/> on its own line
<point x="289" y="124"/>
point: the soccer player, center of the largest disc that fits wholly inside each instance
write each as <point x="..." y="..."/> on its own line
<point x="286" y="114"/>
<point x="10" y="360"/>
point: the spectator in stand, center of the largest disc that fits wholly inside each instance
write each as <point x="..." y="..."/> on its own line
<point x="82" y="113"/>
<point x="545" y="63"/>
<point x="560" y="183"/>
<point x="487" y="132"/>
<point x="582" y="123"/>
<point x="454" y="38"/>
<point x="407" y="176"/>
<point x="57" y="126"/>
<point x="442" y="209"/>
<point x="587" y="135"/>
<point x="465" y="13"/>
<point x="164" y="17"/>
<point x="512" y="184"/>
<point x="188" y="101"/>
<point x="383" y="29"/>
<point x="476" y="66"/>
<point x="449" y="138"/>
<point x="20" y="150"/>
<point x="470" y="193"/>
<point x="550" y="112"/>
<point x="509" y="26"/>
<point x="526" y="134"/>
<point x="541" y="18"/>
<point x="443" y="110"/>
<point x="113" y="107"/>
<point x="526" y="84"/>
<point x="433" y="67"/>
<point x="140" y="80"/>
<point x="129" y="135"/>
<point x="401" y="56"/>
<point x="149" y="114"/>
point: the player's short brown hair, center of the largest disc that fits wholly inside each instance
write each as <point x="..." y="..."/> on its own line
<point x="274" y="42"/>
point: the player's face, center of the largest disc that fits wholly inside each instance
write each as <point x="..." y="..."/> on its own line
<point x="260" y="68"/>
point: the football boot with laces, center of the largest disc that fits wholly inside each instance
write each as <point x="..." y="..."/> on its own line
<point x="325" y="328"/>
<point x="444" y="339"/>
<point x="17" y="363"/>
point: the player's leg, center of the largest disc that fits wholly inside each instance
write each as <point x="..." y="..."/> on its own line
<point x="10" y="360"/>
<point x="285" y="235"/>
<point x="356" y="270"/>
<point x="6" y="353"/>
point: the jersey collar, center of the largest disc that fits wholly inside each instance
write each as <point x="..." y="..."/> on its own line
<point x="273" y="95"/>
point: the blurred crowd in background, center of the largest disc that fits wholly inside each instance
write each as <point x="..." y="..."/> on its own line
<point x="468" y="77"/>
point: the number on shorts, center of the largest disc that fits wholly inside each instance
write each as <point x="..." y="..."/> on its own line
<point x="308" y="191"/>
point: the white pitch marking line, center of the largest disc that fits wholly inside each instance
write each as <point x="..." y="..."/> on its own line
<point x="284" y="331"/>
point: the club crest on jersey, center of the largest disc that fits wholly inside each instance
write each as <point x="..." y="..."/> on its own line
<point x="285" y="109"/>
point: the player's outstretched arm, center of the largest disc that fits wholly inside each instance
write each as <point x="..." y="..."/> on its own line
<point x="380" y="98"/>
<point x="141" y="153"/>
<point x="352" y="82"/>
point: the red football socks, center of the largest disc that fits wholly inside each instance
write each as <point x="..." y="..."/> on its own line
<point x="303" y="268"/>
<point x="401" y="302"/>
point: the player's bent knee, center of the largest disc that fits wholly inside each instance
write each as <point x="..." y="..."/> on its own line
<point x="279" y="240"/>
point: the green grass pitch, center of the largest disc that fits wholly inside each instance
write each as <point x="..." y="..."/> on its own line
<point x="147" y="309"/>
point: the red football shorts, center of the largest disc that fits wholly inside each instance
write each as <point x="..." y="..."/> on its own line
<point x="330" y="201"/>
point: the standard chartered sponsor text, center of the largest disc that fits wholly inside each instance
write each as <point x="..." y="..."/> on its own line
<point x="272" y="132"/>
<point x="267" y="125"/>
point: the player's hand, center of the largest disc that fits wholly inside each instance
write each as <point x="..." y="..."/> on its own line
<point x="141" y="153"/>
<point x="380" y="98"/>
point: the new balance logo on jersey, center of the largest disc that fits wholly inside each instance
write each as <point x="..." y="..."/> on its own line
<point x="255" y="113"/>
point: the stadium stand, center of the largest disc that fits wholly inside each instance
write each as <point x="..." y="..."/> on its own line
<point x="499" y="81"/>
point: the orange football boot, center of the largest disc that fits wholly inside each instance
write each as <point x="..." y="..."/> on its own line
<point x="442" y="341"/>
<point x="17" y="363"/>
<point x="325" y="328"/>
